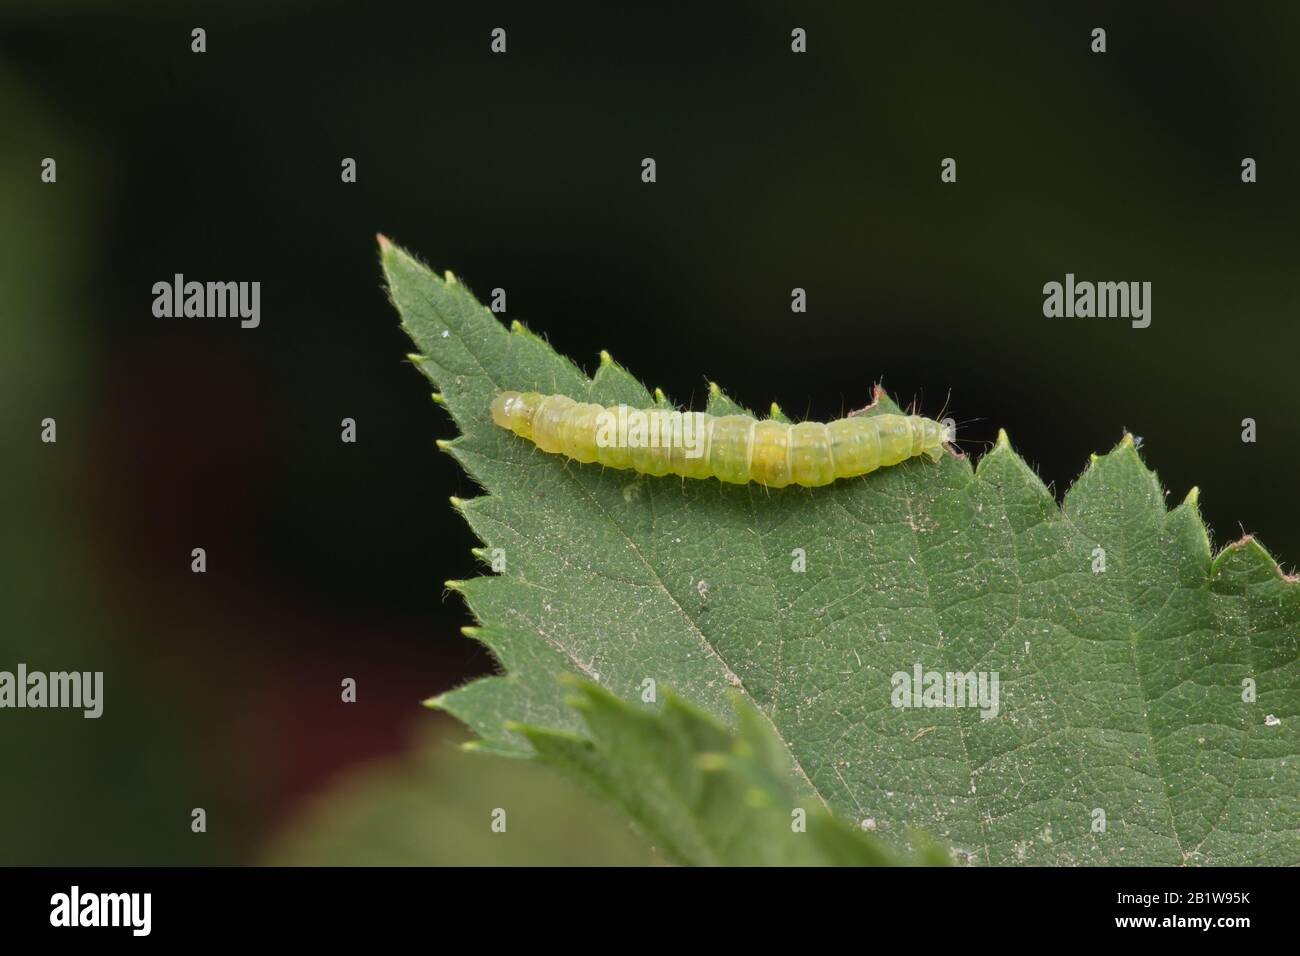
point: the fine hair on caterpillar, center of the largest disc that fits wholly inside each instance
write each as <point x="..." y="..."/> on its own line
<point x="736" y="449"/>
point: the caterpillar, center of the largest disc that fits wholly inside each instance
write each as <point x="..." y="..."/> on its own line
<point x="736" y="449"/>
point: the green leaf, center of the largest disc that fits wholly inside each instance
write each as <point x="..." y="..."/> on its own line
<point x="1125" y="732"/>
<point x="708" y="796"/>
<point x="435" y="805"/>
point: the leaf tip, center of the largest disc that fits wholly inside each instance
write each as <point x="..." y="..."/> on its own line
<point x="453" y="585"/>
<point x="472" y="632"/>
<point x="439" y="399"/>
<point x="1003" y="441"/>
<point x="660" y="397"/>
<point x="775" y="411"/>
<point x="1247" y="542"/>
<point x="1193" y="497"/>
<point x="457" y="503"/>
<point x="606" y="358"/>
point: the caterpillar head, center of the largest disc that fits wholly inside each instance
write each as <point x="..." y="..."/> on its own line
<point x="945" y="434"/>
<point x="515" y="410"/>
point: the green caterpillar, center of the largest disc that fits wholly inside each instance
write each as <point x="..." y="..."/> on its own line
<point x="733" y="448"/>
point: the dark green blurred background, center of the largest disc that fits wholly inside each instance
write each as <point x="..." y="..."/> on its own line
<point x="522" y="171"/>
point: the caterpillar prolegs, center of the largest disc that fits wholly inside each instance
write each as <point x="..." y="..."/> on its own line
<point x="733" y="448"/>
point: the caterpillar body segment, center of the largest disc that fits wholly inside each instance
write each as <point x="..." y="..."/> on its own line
<point x="733" y="448"/>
